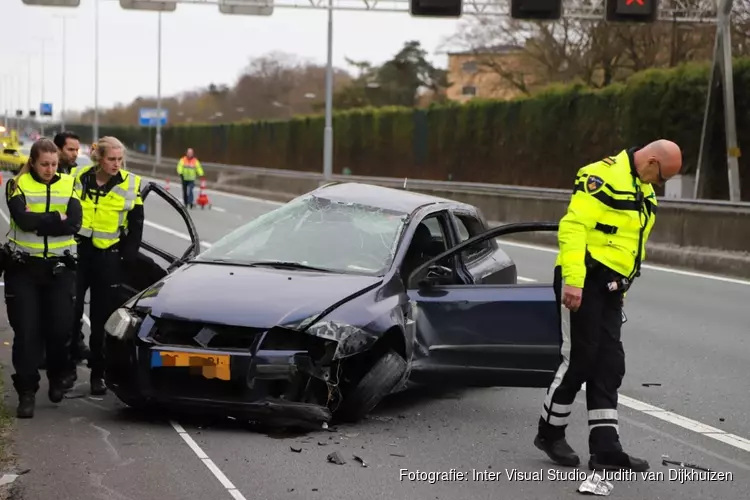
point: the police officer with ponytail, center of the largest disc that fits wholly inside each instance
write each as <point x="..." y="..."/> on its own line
<point x="109" y="238"/>
<point x="39" y="262"/>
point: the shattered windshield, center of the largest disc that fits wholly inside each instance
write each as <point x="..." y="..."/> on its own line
<point x="316" y="232"/>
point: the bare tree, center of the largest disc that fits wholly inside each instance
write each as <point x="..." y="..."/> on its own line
<point x="276" y="85"/>
<point x="596" y="53"/>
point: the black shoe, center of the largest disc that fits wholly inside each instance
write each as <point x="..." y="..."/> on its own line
<point x="559" y="451"/>
<point x="617" y="461"/>
<point x="69" y="381"/>
<point x="97" y="386"/>
<point x="56" y="392"/>
<point x="26" y="403"/>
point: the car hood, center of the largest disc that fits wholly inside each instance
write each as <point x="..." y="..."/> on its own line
<point x="249" y="296"/>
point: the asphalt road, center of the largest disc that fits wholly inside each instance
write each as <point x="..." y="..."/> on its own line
<point x="684" y="332"/>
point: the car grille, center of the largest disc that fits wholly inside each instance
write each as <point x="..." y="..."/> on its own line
<point x="204" y="335"/>
<point x="181" y="333"/>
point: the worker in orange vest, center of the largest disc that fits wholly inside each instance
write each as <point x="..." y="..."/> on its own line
<point x="189" y="168"/>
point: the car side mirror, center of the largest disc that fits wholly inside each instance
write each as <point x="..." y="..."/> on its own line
<point x="436" y="275"/>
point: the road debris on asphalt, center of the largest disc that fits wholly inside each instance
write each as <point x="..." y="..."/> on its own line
<point x="360" y="460"/>
<point x="295" y="450"/>
<point x="650" y="384"/>
<point x="335" y="458"/>
<point x="595" y="484"/>
<point x="9" y="478"/>
<point x="665" y="460"/>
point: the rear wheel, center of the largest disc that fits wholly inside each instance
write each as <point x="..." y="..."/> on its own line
<point x="377" y="383"/>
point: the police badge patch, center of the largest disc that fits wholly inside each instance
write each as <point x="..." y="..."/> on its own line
<point x="594" y="183"/>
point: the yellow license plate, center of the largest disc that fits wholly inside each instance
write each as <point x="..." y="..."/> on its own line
<point x="210" y="365"/>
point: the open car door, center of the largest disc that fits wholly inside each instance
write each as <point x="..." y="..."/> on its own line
<point x="146" y="271"/>
<point x="484" y="335"/>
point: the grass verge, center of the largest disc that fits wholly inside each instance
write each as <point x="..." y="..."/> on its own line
<point x="6" y="425"/>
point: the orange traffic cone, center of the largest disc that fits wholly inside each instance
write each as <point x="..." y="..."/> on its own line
<point x="1" y="178"/>
<point x="202" y="196"/>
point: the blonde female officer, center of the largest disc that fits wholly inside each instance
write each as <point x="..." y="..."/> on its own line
<point x="45" y="214"/>
<point x="111" y="233"/>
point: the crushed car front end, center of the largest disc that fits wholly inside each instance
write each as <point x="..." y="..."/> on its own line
<point x="250" y="372"/>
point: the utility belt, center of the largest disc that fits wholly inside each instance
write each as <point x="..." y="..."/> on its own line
<point x="612" y="280"/>
<point x="56" y="264"/>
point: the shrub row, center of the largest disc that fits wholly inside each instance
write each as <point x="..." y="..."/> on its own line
<point x="536" y="141"/>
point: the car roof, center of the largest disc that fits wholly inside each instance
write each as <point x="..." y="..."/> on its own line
<point x="382" y="197"/>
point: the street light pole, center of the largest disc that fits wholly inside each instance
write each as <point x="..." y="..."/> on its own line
<point x="41" y="120"/>
<point x="158" y="96"/>
<point x="96" y="72"/>
<point x="62" y="100"/>
<point x="28" y="89"/>
<point x="6" y="99"/>
<point x="328" y="132"/>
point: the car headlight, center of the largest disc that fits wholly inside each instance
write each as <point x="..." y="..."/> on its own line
<point x="122" y="323"/>
<point x="351" y="339"/>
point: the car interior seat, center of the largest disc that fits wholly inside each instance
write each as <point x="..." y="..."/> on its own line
<point x="421" y="249"/>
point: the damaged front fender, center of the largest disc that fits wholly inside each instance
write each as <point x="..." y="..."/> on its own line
<point x="351" y="339"/>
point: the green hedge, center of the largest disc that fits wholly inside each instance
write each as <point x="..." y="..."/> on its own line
<point x="538" y="141"/>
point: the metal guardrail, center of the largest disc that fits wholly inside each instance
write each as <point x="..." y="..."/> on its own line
<point x="466" y="187"/>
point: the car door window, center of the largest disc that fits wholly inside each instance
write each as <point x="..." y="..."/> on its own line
<point x="468" y="227"/>
<point x="429" y="240"/>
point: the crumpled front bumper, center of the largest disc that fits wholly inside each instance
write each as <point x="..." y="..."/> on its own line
<point x="267" y="385"/>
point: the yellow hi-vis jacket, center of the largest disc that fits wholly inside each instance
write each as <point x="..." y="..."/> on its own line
<point x="610" y="216"/>
<point x="189" y="168"/>
<point x="40" y="199"/>
<point x="105" y="217"/>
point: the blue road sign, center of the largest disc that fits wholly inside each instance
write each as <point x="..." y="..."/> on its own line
<point x="147" y="117"/>
<point x="45" y="109"/>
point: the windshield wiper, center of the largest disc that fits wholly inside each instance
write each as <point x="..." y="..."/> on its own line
<point x="288" y="265"/>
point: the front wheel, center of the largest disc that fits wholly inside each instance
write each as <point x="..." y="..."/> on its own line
<point x="382" y="378"/>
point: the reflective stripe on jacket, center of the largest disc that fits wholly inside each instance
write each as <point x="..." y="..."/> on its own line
<point x="42" y="198"/>
<point x="189" y="168"/>
<point x="605" y="218"/>
<point x="105" y="217"/>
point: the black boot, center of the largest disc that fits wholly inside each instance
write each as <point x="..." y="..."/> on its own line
<point x="551" y="440"/>
<point x="26" y="403"/>
<point x="69" y="380"/>
<point x="558" y="450"/>
<point x="56" y="391"/>
<point x="97" y="384"/>
<point x="617" y="460"/>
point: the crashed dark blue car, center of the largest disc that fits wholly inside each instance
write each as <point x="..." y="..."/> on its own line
<point x="321" y="308"/>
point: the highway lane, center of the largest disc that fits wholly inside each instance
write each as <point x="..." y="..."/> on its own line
<point x="476" y="429"/>
<point x="687" y="333"/>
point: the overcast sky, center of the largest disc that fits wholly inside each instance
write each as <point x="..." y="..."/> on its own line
<point x="200" y="46"/>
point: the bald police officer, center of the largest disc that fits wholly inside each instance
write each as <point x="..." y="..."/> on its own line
<point x="602" y="241"/>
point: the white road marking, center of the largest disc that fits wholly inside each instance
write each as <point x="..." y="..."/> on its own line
<point x="218" y="209"/>
<point x="692" y="274"/>
<point x="223" y="479"/>
<point x="173" y="232"/>
<point x="676" y="419"/>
